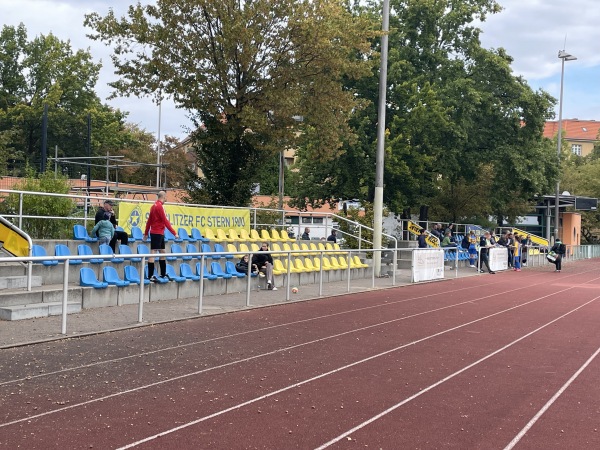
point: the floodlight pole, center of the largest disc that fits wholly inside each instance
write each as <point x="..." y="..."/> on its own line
<point x="158" y="140"/>
<point x="564" y="56"/>
<point x="379" y="159"/>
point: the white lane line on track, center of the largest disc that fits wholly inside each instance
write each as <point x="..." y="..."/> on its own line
<point x="280" y="350"/>
<point x="228" y="336"/>
<point x="547" y="406"/>
<point x="339" y="369"/>
<point x="443" y="380"/>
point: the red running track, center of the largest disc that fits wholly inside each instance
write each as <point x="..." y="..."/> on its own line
<point x="504" y="361"/>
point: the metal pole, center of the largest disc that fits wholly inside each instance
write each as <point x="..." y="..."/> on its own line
<point x="158" y="141"/>
<point x="378" y="201"/>
<point x="201" y="293"/>
<point x="65" y="298"/>
<point x="281" y="179"/>
<point x="141" y="299"/>
<point x="558" y="149"/>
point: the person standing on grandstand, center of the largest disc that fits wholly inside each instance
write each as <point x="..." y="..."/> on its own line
<point x="472" y="248"/>
<point x="156" y="224"/>
<point x="332" y="237"/>
<point x="306" y="234"/>
<point x="485" y="243"/>
<point x="422" y="239"/>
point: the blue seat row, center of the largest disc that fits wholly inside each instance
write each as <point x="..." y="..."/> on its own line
<point x="80" y="233"/>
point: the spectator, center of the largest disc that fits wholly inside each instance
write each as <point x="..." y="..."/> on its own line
<point x="107" y="212"/>
<point x="525" y="244"/>
<point x="242" y="265"/>
<point x="264" y="264"/>
<point x="485" y="243"/>
<point x="516" y="251"/>
<point x="422" y="239"/>
<point x="156" y="224"/>
<point x="436" y="231"/>
<point x="291" y="234"/>
<point x="104" y="230"/>
<point x="306" y="234"/>
<point x="472" y="249"/>
<point x="559" y="251"/>
<point x="447" y="241"/>
<point x="332" y="237"/>
<point x="450" y="229"/>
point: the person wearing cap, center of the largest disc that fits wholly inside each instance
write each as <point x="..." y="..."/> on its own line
<point x="155" y="227"/>
<point x="106" y="212"/>
<point x="560" y="250"/>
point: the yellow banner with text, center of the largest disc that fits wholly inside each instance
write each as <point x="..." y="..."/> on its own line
<point x="187" y="217"/>
<point x="415" y="229"/>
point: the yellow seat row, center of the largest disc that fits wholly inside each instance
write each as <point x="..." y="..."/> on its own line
<point x="305" y="265"/>
<point x="243" y="236"/>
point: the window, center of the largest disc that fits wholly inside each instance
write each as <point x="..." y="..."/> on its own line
<point x="576" y="149"/>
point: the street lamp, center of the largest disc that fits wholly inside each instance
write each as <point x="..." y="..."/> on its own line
<point x="564" y="56"/>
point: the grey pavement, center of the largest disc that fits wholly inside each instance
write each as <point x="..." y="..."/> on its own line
<point x="99" y="320"/>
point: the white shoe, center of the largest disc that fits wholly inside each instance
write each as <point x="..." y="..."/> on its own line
<point x="274" y="288"/>
<point x="472" y="265"/>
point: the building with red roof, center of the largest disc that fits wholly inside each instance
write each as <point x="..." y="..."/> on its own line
<point x="579" y="135"/>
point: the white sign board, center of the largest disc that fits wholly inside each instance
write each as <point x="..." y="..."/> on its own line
<point x="498" y="258"/>
<point x="427" y="264"/>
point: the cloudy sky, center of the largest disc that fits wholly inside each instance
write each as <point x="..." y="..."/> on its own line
<point x="532" y="31"/>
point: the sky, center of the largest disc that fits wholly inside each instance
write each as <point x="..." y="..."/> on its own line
<point x="532" y="32"/>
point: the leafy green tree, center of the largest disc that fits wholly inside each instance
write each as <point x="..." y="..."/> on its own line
<point x="247" y="71"/>
<point x="44" y="206"/>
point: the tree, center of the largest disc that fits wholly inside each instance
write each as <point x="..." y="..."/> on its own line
<point x="247" y="71"/>
<point x="48" y="72"/>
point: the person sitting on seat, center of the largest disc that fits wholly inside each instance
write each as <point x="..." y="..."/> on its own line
<point x="104" y="230"/>
<point x="242" y="265"/>
<point x="264" y="263"/>
<point x="106" y="212"/>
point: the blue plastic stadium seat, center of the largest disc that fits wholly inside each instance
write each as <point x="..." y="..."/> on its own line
<point x="126" y="250"/>
<point x="198" y="236"/>
<point x="206" y="249"/>
<point x="220" y="248"/>
<point x="137" y="234"/>
<point x="86" y="250"/>
<point x="215" y="268"/>
<point x="207" y="274"/>
<point x="87" y="278"/>
<point x="132" y="275"/>
<point x="63" y="250"/>
<point x="173" y="275"/>
<point x="171" y="237"/>
<point x="176" y="248"/>
<point x="191" y="248"/>
<point x="186" y="272"/>
<point x="105" y="250"/>
<point x="230" y="269"/>
<point x="143" y="249"/>
<point x="81" y="234"/>
<point x="38" y="250"/>
<point x="183" y="234"/>
<point x="112" y="277"/>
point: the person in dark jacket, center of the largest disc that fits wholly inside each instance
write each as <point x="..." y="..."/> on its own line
<point x="264" y="263"/>
<point x="242" y="265"/>
<point x="306" y="234"/>
<point x="332" y="237"/>
<point x="485" y="243"/>
<point x="422" y="239"/>
<point x="560" y="250"/>
<point x="106" y="213"/>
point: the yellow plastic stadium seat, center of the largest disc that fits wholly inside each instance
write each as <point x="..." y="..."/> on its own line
<point x="278" y="268"/>
<point x="292" y="266"/>
<point x="244" y="236"/>
<point x="343" y="263"/>
<point x="296" y="249"/>
<point x="221" y="236"/>
<point x="300" y="265"/>
<point x="276" y="248"/>
<point x="359" y="263"/>
<point x="275" y="235"/>
<point x="304" y="248"/>
<point x="254" y="247"/>
<point x="254" y="235"/>
<point x="285" y="237"/>
<point x="336" y="246"/>
<point x="232" y="249"/>
<point x="208" y="234"/>
<point x="264" y="235"/>
<point x="286" y="248"/>
<point x="334" y="263"/>
<point x="353" y="264"/>
<point x="326" y="264"/>
<point x="328" y="246"/>
<point x="312" y="246"/>
<point x="233" y="235"/>
<point x="321" y="246"/>
<point x="308" y="263"/>
<point x="244" y="248"/>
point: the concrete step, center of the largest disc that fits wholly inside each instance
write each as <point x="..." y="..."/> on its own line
<point x="39" y="294"/>
<point x="36" y="310"/>
<point x="19" y="281"/>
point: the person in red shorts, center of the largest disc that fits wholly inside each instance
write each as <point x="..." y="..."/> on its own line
<point x="155" y="226"/>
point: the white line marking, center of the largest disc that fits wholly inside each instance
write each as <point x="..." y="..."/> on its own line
<point x="443" y="380"/>
<point x="243" y="333"/>
<point x="547" y="406"/>
<point x="339" y="369"/>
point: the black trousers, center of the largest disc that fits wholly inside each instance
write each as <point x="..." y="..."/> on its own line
<point x="119" y="236"/>
<point x="483" y="259"/>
